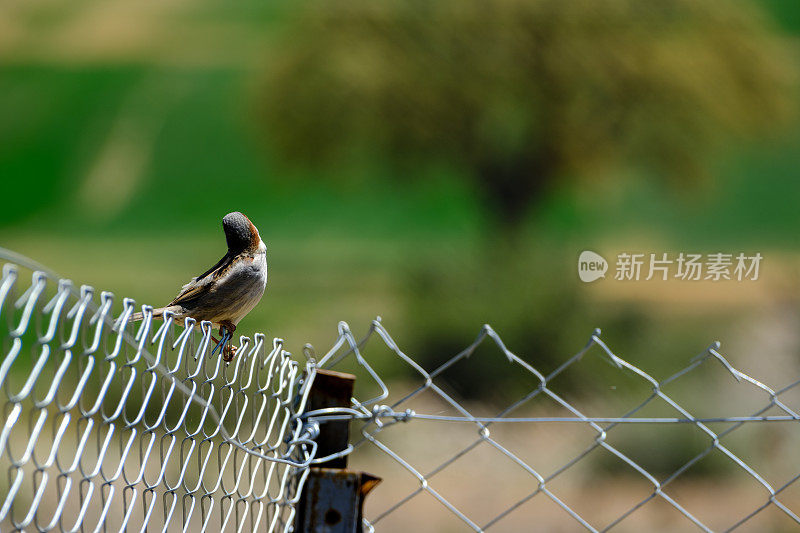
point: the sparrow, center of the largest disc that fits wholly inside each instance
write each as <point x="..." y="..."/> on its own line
<point x="230" y="289"/>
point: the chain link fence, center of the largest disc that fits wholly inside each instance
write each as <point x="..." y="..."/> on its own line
<point x="114" y="426"/>
<point x="104" y="428"/>
<point x="506" y="471"/>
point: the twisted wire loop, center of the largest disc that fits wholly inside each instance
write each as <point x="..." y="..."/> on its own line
<point x="547" y="479"/>
<point x="112" y="425"/>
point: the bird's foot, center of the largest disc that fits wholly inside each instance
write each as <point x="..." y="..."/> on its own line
<point x="225" y="336"/>
<point x="227" y="351"/>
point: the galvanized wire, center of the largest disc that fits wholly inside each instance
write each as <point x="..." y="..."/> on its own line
<point x="110" y="425"/>
<point x="376" y="419"/>
<point x="107" y="425"/>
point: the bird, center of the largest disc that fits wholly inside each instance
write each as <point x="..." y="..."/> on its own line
<point x="225" y="293"/>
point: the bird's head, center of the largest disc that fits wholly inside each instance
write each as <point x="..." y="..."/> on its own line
<point x="240" y="233"/>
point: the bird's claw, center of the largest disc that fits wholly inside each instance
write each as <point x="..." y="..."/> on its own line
<point x="229" y="352"/>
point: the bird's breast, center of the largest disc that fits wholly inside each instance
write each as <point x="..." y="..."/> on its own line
<point x="239" y="290"/>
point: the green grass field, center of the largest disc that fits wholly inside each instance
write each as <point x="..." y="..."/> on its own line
<point x="203" y="156"/>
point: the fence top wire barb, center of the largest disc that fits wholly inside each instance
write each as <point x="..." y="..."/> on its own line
<point x="385" y="412"/>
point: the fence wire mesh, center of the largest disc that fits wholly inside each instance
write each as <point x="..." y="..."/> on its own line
<point x="140" y="426"/>
<point x="513" y="472"/>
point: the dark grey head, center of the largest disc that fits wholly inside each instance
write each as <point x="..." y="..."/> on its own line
<point x="239" y="232"/>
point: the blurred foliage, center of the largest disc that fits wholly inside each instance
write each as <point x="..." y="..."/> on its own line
<point x="514" y="95"/>
<point x="517" y="94"/>
<point x="158" y="99"/>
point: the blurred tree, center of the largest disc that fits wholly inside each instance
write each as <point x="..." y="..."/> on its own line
<point x="519" y="93"/>
<point x="516" y="95"/>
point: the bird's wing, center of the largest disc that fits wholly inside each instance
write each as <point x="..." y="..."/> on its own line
<point x="203" y="282"/>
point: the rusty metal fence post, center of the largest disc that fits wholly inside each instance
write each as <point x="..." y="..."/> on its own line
<point x="333" y="498"/>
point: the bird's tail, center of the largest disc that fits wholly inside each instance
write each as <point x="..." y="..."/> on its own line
<point x="157" y="313"/>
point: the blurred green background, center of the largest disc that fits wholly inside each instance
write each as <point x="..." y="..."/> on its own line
<point x="441" y="164"/>
<point x="368" y="146"/>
